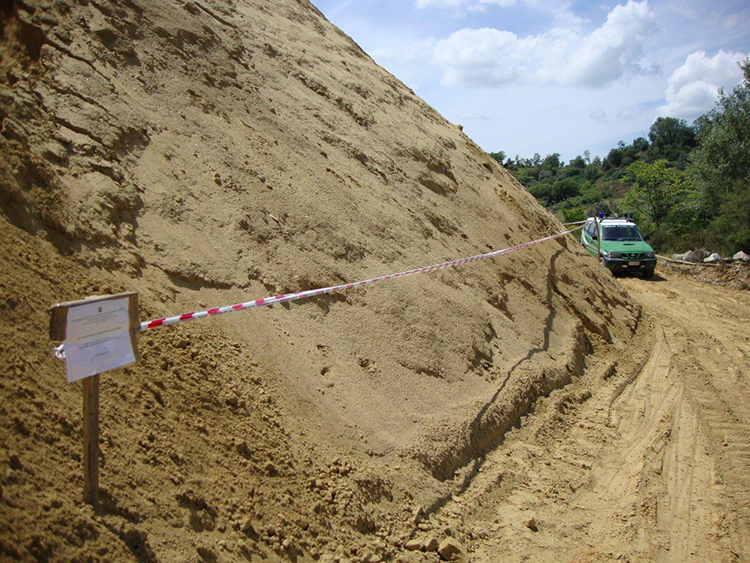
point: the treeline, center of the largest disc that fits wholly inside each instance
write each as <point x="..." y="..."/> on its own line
<point x="689" y="185"/>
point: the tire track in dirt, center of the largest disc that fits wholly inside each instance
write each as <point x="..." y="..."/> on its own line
<point x="644" y="457"/>
<point x="707" y="326"/>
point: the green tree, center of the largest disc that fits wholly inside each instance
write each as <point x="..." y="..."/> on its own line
<point x="574" y="214"/>
<point x="670" y="139"/>
<point x="720" y="166"/>
<point x="578" y="162"/>
<point x="499" y="156"/>
<point x="614" y="159"/>
<point x="542" y="191"/>
<point x="593" y="170"/>
<point x="729" y="230"/>
<point x="656" y="189"/>
<point x="564" y="189"/>
<point x="551" y="162"/>
<point x="640" y="144"/>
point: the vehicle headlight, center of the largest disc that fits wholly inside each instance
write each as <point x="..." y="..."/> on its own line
<point x="614" y="254"/>
<point x="650" y="255"/>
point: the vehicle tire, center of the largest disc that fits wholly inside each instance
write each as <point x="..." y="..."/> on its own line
<point x="648" y="274"/>
<point x="601" y="261"/>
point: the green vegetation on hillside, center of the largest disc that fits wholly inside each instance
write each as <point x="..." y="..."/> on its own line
<point x="689" y="185"/>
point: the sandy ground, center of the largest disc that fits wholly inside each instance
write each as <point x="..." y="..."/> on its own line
<point x="208" y="152"/>
<point x="644" y="463"/>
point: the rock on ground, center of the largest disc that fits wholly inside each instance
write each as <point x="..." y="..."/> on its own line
<point x="712" y="259"/>
<point x="430" y="544"/>
<point x="413" y="545"/>
<point x="451" y="550"/>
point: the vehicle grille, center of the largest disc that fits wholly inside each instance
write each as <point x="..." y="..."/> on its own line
<point x="632" y="255"/>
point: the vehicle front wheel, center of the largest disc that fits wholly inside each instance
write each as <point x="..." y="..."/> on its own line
<point x="648" y="274"/>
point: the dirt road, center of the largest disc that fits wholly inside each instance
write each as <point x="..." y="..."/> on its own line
<point x="645" y="457"/>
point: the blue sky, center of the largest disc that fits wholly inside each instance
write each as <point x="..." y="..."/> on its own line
<point x="526" y="76"/>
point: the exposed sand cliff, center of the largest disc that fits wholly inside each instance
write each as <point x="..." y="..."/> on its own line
<point x="204" y="153"/>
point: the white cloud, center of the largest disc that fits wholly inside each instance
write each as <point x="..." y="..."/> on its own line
<point x="567" y="19"/>
<point x="731" y="21"/>
<point x="560" y="11"/>
<point x="421" y="4"/>
<point x="481" y="57"/>
<point x="472" y="5"/>
<point x="501" y="3"/>
<point x="489" y="57"/>
<point x="601" y="116"/>
<point x="626" y="115"/>
<point x="693" y="87"/>
<point x="614" y="49"/>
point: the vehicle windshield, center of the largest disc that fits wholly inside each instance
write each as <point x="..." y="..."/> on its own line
<point x="621" y="233"/>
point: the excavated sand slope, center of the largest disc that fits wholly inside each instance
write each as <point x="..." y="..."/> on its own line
<point x="204" y="153"/>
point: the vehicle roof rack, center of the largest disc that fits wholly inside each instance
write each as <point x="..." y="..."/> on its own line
<point x="626" y="217"/>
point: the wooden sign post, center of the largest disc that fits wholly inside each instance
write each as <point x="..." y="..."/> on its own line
<point x="99" y="335"/>
<point x="91" y="441"/>
<point x="598" y="240"/>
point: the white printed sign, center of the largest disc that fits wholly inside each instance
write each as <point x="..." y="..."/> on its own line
<point x="98" y="338"/>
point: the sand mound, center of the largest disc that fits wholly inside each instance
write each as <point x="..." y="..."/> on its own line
<point x="204" y="153"/>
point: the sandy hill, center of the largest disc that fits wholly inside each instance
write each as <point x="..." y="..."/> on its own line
<point x="208" y="152"/>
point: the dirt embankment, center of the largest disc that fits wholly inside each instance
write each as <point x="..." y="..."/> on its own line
<point x="734" y="276"/>
<point x="203" y="153"/>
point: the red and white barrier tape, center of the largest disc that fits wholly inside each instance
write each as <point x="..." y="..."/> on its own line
<point x="266" y="301"/>
<point x="146" y="325"/>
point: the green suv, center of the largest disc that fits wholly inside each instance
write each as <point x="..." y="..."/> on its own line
<point x="621" y="248"/>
